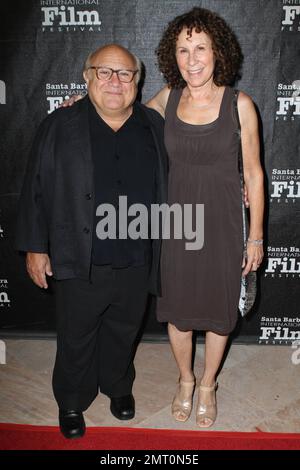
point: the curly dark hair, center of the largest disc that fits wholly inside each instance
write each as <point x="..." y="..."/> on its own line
<point x="227" y="51"/>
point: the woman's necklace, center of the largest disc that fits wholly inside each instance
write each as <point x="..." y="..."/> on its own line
<point x="208" y="104"/>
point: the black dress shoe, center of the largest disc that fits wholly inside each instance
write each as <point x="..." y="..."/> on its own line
<point x="71" y="423"/>
<point x="122" y="407"/>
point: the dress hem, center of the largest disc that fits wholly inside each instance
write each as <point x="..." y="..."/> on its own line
<point x="196" y="325"/>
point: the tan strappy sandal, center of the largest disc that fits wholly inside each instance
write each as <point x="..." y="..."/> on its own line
<point x="206" y="414"/>
<point x="183" y="401"/>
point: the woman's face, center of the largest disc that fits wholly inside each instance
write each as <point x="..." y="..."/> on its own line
<point x="195" y="57"/>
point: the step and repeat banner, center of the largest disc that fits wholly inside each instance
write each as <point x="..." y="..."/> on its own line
<point x="43" y="45"/>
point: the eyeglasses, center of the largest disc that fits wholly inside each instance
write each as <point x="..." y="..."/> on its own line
<point x="105" y="73"/>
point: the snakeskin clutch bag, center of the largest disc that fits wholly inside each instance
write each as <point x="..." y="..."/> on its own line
<point x="248" y="293"/>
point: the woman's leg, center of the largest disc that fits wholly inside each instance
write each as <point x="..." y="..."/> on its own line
<point x="181" y="343"/>
<point x="214" y="350"/>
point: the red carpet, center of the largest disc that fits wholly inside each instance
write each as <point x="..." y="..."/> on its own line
<point x="25" y="437"/>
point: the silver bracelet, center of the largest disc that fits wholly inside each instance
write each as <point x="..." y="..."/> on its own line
<point x="256" y="242"/>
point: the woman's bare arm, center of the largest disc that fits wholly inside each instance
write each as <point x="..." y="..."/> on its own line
<point x="159" y="101"/>
<point x="253" y="174"/>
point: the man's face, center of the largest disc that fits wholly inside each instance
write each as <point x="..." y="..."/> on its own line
<point x="111" y="96"/>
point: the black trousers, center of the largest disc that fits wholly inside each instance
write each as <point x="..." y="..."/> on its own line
<point x="97" y="325"/>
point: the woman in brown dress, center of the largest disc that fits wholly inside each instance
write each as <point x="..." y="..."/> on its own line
<point x="199" y="57"/>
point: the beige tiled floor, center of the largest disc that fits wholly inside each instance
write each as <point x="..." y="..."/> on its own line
<point x="259" y="388"/>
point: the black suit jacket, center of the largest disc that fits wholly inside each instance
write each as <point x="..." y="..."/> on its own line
<point x="56" y="205"/>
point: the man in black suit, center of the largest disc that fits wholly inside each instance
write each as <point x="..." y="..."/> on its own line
<point x="105" y="146"/>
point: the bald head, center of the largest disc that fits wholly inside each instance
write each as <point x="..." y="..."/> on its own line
<point x="114" y="52"/>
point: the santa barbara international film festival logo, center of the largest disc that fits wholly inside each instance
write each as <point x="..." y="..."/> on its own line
<point x="291" y="15"/>
<point x="281" y="329"/>
<point x="283" y="262"/>
<point x="285" y="186"/>
<point x="70" y="16"/>
<point x="288" y="101"/>
<point x="4" y="299"/>
<point x="56" y="93"/>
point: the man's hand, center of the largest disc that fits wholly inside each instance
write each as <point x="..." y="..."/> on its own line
<point x="70" y="101"/>
<point x="38" y="265"/>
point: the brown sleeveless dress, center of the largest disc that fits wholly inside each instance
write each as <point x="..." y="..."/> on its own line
<point x="200" y="289"/>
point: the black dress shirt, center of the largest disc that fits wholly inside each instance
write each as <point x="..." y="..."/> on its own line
<point x="124" y="165"/>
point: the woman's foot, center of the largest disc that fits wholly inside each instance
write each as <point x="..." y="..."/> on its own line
<point x="183" y="400"/>
<point x="207" y="406"/>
